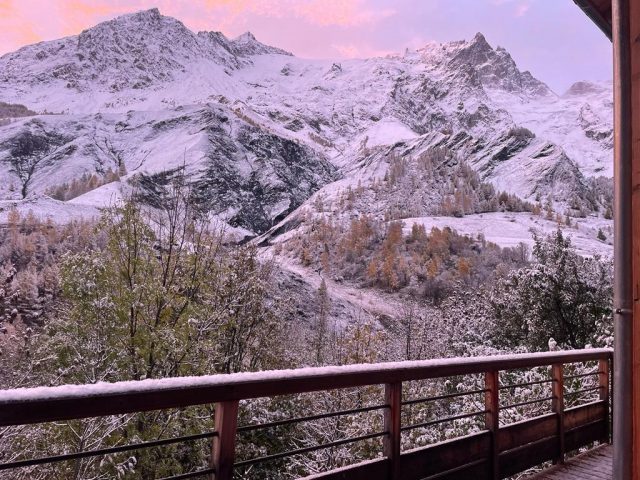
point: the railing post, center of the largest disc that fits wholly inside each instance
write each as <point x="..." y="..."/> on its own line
<point x="557" y="405"/>
<point x="492" y="418"/>
<point x="392" y="424"/>
<point x="224" y="443"/>
<point x="612" y="394"/>
<point x="603" y="382"/>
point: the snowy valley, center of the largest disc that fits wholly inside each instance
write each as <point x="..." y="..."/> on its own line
<point x="448" y="135"/>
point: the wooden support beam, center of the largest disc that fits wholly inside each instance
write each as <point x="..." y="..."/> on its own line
<point x="492" y="418"/>
<point x="224" y="443"/>
<point x="634" y="46"/>
<point x="392" y="425"/>
<point x="557" y="405"/>
<point x="626" y="95"/>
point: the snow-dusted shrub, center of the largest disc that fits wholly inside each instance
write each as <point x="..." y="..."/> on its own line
<point x="560" y="295"/>
<point x="163" y="297"/>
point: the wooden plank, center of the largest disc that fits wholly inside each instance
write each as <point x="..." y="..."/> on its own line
<point x="527" y="431"/>
<point x="369" y="470"/>
<point x="454" y="459"/>
<point x="519" y="459"/>
<point x="480" y="470"/>
<point x="591" y="465"/>
<point x="28" y="406"/>
<point x="583" y="414"/>
<point x="532" y="446"/>
<point x="392" y="424"/>
<point x="223" y="452"/>
<point x="492" y="418"/>
<point x="585" y="434"/>
<point x="444" y="456"/>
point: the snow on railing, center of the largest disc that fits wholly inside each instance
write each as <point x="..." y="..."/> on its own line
<point x="493" y="452"/>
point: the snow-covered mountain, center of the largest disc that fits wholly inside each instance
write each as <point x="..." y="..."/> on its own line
<point x="260" y="131"/>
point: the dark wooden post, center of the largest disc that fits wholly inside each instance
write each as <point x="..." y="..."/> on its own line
<point x="224" y="443"/>
<point x="603" y="382"/>
<point x="625" y="20"/>
<point x="492" y="418"/>
<point x="557" y="405"/>
<point x="634" y="93"/>
<point x="392" y="424"/>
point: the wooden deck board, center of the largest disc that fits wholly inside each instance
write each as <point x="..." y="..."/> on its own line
<point x="592" y="465"/>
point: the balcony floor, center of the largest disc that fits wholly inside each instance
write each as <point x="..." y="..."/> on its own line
<point x="595" y="464"/>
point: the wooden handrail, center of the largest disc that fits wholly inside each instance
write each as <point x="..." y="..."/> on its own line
<point x="67" y="402"/>
<point x="494" y="453"/>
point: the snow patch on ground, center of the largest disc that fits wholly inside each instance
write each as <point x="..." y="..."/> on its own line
<point x="387" y="132"/>
<point x="373" y="302"/>
<point x="48" y="208"/>
<point x="105" y="196"/>
<point x="511" y="229"/>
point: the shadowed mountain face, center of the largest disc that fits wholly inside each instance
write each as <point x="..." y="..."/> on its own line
<point x="259" y="130"/>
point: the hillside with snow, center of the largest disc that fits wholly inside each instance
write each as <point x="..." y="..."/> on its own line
<point x="262" y="134"/>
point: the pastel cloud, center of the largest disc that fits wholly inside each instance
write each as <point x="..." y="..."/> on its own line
<point x="353" y="50"/>
<point x="16" y="28"/>
<point x="522" y="9"/>
<point x="339" y="12"/>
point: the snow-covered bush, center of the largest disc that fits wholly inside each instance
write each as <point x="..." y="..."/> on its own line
<point x="560" y="295"/>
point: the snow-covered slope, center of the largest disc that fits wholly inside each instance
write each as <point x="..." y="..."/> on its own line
<point x="250" y="176"/>
<point x="511" y="229"/>
<point x="260" y="130"/>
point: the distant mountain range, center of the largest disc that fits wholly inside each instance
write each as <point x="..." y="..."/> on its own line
<point x="261" y="132"/>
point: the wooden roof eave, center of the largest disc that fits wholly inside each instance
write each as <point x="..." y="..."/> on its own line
<point x="599" y="11"/>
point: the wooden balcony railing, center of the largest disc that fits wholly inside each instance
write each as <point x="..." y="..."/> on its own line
<point x="497" y="451"/>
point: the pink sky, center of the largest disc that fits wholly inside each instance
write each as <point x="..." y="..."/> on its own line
<point x="552" y="38"/>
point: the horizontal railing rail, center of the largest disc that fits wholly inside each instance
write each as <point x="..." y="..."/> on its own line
<point x="494" y="452"/>
<point x="67" y="402"/>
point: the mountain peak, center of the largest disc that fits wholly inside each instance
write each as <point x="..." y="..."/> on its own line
<point x="152" y="15"/>
<point x="476" y="51"/>
<point x="149" y="13"/>
<point x="586" y="88"/>
<point x="479" y="39"/>
<point x="479" y="44"/>
<point x="134" y="22"/>
<point x="494" y="67"/>
<point x="247" y="44"/>
<point x="246" y="37"/>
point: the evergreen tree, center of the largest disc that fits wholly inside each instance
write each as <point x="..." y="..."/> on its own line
<point x="561" y="295"/>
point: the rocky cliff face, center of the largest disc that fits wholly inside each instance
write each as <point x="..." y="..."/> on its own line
<point x="250" y="176"/>
<point x="259" y="130"/>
